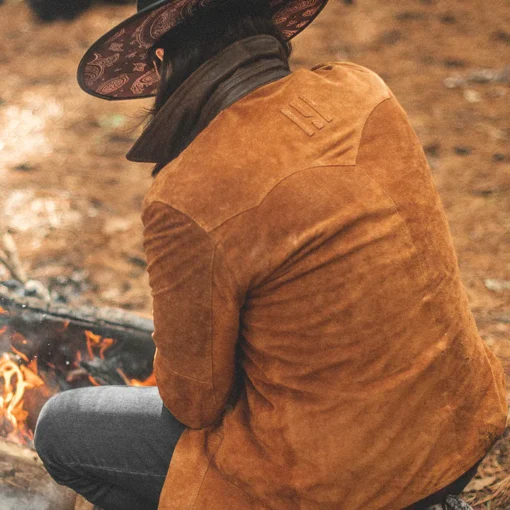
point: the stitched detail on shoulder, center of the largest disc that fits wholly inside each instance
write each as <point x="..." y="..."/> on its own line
<point x="162" y="202"/>
<point x="326" y="118"/>
<point x="305" y="113"/>
<point x="261" y="201"/>
<point x="390" y="96"/>
<point x="216" y="248"/>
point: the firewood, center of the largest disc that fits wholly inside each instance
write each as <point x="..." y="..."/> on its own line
<point x="54" y="333"/>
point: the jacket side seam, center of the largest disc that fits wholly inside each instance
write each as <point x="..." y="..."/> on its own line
<point x="211" y="325"/>
<point x="421" y="264"/>
<point x="395" y="208"/>
<point x="193" y="504"/>
<point x="238" y="488"/>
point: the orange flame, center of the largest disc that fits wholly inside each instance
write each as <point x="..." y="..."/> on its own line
<point x="93" y="381"/>
<point x="16" y="380"/>
<point x="65" y="325"/>
<point x="150" y="381"/>
<point x="97" y="342"/>
<point x="19" y="373"/>
<point x="20" y="354"/>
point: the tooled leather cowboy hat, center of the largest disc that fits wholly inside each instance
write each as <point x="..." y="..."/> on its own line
<point x="118" y="65"/>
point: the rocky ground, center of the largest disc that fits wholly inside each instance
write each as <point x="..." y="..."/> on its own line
<point x="72" y="201"/>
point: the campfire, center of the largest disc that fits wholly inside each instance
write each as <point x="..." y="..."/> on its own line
<point x="45" y="349"/>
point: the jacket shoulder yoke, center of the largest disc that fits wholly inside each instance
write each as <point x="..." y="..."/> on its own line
<point x="310" y="118"/>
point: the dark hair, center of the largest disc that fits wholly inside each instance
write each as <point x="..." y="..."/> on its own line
<point x="211" y="29"/>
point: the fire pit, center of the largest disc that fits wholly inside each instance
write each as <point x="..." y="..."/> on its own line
<point x="46" y="348"/>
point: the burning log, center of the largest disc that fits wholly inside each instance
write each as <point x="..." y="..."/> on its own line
<point x="49" y="348"/>
<point x="52" y="331"/>
<point x="24" y="483"/>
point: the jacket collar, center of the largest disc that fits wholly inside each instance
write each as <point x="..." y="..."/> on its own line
<point x="231" y="74"/>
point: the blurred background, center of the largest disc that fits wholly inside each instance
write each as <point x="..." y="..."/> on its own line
<point x="72" y="202"/>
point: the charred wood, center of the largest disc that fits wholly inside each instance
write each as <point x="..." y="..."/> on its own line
<point x="53" y="334"/>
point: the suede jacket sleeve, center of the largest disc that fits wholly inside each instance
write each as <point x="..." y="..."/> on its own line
<point x="196" y="316"/>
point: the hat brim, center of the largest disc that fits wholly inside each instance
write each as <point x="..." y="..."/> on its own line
<point x="118" y="66"/>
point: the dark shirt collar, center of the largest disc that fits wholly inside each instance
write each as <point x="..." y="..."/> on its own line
<point x="231" y="74"/>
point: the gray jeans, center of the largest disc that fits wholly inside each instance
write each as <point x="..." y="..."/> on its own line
<point x="111" y="444"/>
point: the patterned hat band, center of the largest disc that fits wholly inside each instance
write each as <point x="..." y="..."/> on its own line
<point x="118" y="65"/>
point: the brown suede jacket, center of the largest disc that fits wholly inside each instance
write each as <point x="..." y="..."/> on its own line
<point x="299" y="240"/>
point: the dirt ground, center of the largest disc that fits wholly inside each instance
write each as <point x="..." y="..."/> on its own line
<point x="72" y="201"/>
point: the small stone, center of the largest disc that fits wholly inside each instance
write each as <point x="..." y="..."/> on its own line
<point x="35" y="288"/>
<point x="137" y="261"/>
<point x="498" y="157"/>
<point x="116" y="225"/>
<point x="410" y="16"/>
<point x="472" y="96"/>
<point x="453" y="82"/>
<point x="462" y="150"/>
<point x="486" y="75"/>
<point x="111" y="294"/>
<point x="12" y="284"/>
<point x="448" y="19"/>
<point x="454" y="63"/>
<point x="390" y="37"/>
<point x="24" y="167"/>
<point x="79" y="275"/>
<point x="496" y="285"/>
<point x="432" y="150"/>
<point x="501" y="36"/>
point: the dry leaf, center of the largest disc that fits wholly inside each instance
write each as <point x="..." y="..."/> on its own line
<point x="480" y="483"/>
